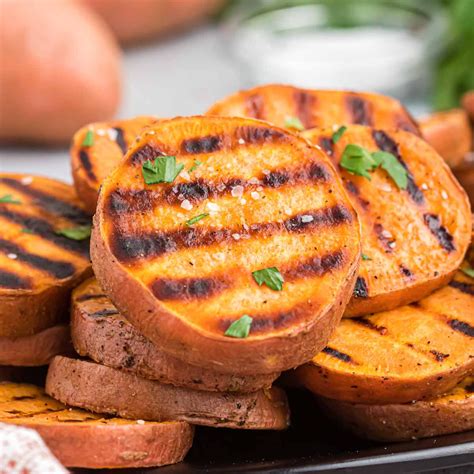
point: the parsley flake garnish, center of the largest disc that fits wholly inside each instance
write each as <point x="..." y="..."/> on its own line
<point x="469" y="271"/>
<point x="9" y="199"/>
<point x="81" y="232"/>
<point x="195" y="219"/>
<point x="195" y="165"/>
<point x="294" y="122"/>
<point x="336" y="136"/>
<point x="163" y="170"/>
<point x="359" y="161"/>
<point x="270" y="276"/>
<point x="240" y="328"/>
<point x="365" y="257"/>
<point x="88" y="139"/>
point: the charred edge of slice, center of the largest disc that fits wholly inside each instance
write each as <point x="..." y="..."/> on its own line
<point x="50" y="203"/>
<point x="444" y="238"/>
<point x="359" y="109"/>
<point x="327" y="145"/>
<point x="462" y="327"/>
<point x="407" y="123"/>
<point x="104" y="312"/>
<point x="462" y="286"/>
<point x="14" y="282"/>
<point x="338" y="355"/>
<point x="45" y="230"/>
<point x="88" y="297"/>
<point x="255" y="106"/>
<point x="366" y="322"/>
<point x="56" y="268"/>
<point x="187" y="288"/>
<point x="385" y="143"/>
<point x="304" y="104"/>
<point x="87" y="165"/>
<point x="129" y="247"/>
<point x="361" y="289"/>
<point x="120" y="140"/>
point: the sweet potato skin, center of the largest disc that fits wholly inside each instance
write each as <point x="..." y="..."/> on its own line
<point x="464" y="172"/>
<point x="450" y="413"/>
<point x="36" y="350"/>
<point x="104" y="390"/>
<point x="415" y="352"/>
<point x="81" y="439"/>
<point x="111" y="340"/>
<point x="92" y="164"/>
<point x="45" y="266"/>
<point x="288" y="347"/>
<point x="449" y="133"/>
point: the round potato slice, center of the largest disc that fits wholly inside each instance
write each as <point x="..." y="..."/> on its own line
<point x="41" y="258"/>
<point x="415" y="352"/>
<point x="450" y="413"/>
<point x="178" y="258"/>
<point x="104" y="390"/>
<point x="82" y="439"/>
<point x="413" y="239"/>
<point x="97" y="149"/>
<point x="300" y="109"/>
<point x="101" y="333"/>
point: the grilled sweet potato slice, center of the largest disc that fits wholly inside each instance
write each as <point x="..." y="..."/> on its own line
<point x="38" y="266"/>
<point x="264" y="198"/>
<point x="101" y="333"/>
<point x="449" y="133"/>
<point x="415" y="352"/>
<point x="450" y="413"/>
<point x="37" y="349"/>
<point x="97" y="149"/>
<point x="413" y="239"/>
<point x="82" y="439"/>
<point x="464" y="172"/>
<point x="282" y="104"/>
<point x="102" y="389"/>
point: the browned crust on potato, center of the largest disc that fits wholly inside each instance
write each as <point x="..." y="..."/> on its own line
<point x="102" y="389"/>
<point x="415" y="352"/>
<point x="82" y="439"/>
<point x="464" y="172"/>
<point x="102" y="334"/>
<point x="38" y="267"/>
<point x="450" y="413"/>
<point x="289" y="330"/>
<point x="92" y="164"/>
<point x="37" y="349"/>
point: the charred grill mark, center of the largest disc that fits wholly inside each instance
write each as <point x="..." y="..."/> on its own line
<point x="445" y="239"/>
<point x="354" y="190"/>
<point x="124" y="201"/>
<point x="120" y="140"/>
<point x="12" y="281"/>
<point x="406" y="272"/>
<point x="461" y="326"/>
<point x="259" y="135"/>
<point x="407" y="123"/>
<point x="104" y="312"/>
<point x="462" y="286"/>
<point x="326" y="144"/>
<point x="361" y="290"/>
<point x="46" y="231"/>
<point x="56" y="268"/>
<point x="255" y="106"/>
<point x="129" y="247"/>
<point x="209" y="144"/>
<point x="87" y="165"/>
<point x="315" y="266"/>
<point x="366" y="322"/>
<point x="338" y="355"/>
<point x="88" y="297"/>
<point x="384" y="237"/>
<point x="187" y="288"/>
<point x="50" y="203"/>
<point x="359" y="109"/>
<point x="470" y="388"/>
<point x="304" y="104"/>
<point x="439" y="356"/>
<point x="386" y="143"/>
<point x="145" y="153"/>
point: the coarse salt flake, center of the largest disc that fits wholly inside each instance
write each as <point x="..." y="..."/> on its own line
<point x="241" y="141"/>
<point x="237" y="191"/>
<point x="112" y="133"/>
<point x="255" y="195"/>
<point x="26" y="180"/>
<point x="236" y="236"/>
<point x="101" y="132"/>
<point x="13" y="256"/>
<point x="186" y="205"/>
<point x="288" y="212"/>
<point x="254" y="180"/>
<point x="387" y="234"/>
<point x="444" y="194"/>
<point x="185" y="175"/>
<point x="140" y="422"/>
<point x="307" y="218"/>
<point x="243" y="201"/>
<point x="213" y="207"/>
<point x="424" y="186"/>
<point x="392" y="245"/>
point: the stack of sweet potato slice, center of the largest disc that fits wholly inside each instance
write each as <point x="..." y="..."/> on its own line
<point x="312" y="232"/>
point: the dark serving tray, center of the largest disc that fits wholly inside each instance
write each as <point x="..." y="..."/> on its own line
<point x="316" y="444"/>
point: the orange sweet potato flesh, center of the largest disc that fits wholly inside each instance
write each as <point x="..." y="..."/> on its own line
<point x="273" y="201"/>
<point x="450" y="413"/>
<point x="413" y="240"/>
<point x="102" y="334"/>
<point x="92" y="164"/>
<point x="82" y="439"/>
<point x="415" y="352"/>
<point x="464" y="172"/>
<point x="277" y="103"/>
<point x="449" y="133"/>
<point x="38" y="267"/>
